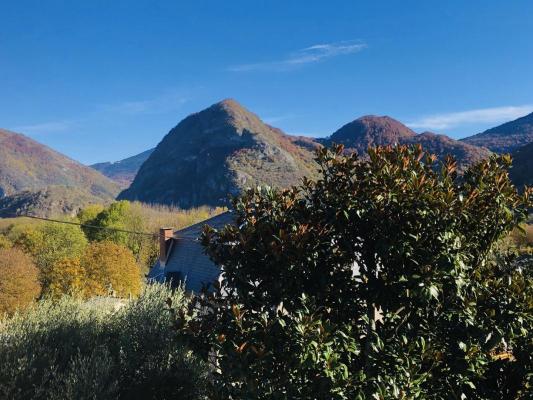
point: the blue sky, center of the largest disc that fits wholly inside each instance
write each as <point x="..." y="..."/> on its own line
<point x="100" y="80"/>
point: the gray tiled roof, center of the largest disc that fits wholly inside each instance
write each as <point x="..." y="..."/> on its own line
<point x="218" y="222"/>
<point x="187" y="256"/>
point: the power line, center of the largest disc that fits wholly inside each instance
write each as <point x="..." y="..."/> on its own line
<point x="153" y="235"/>
<point x="85" y="225"/>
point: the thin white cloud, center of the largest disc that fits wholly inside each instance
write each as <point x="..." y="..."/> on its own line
<point x="277" y="118"/>
<point x="161" y="104"/>
<point x="478" y="116"/>
<point x="164" y="103"/>
<point x="308" y="55"/>
<point x="45" y="127"/>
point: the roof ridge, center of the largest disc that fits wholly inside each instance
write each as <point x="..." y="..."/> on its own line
<point x="193" y="228"/>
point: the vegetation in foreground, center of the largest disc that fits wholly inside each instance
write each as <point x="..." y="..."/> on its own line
<point x="100" y="349"/>
<point x="388" y="278"/>
<point x="381" y="280"/>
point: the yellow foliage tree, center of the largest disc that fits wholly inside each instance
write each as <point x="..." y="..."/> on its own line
<point x="66" y="277"/>
<point x="49" y="243"/>
<point x="19" y="281"/>
<point x="110" y="267"/>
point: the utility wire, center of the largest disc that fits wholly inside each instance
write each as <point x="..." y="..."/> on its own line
<point x="154" y="235"/>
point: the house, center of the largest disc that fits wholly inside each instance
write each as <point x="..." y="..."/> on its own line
<point x="182" y="257"/>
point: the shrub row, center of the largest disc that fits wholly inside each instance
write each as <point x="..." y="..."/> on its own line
<point x="100" y="349"/>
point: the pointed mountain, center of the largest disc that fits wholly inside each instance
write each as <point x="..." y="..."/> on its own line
<point x="370" y="130"/>
<point x="381" y="131"/>
<point x="507" y="137"/>
<point x="28" y="165"/>
<point x="216" y="152"/>
<point x="123" y="172"/>
<point x="522" y="170"/>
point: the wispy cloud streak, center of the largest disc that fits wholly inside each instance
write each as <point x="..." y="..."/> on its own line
<point x="477" y="116"/>
<point x="277" y="118"/>
<point x="308" y="55"/>
<point x="164" y="103"/>
<point x="45" y="127"/>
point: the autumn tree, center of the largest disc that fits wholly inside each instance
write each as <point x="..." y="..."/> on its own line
<point x="66" y="277"/>
<point x="379" y="280"/>
<point x="110" y="268"/>
<point x="111" y="225"/>
<point x="89" y="213"/>
<point x="113" y="217"/>
<point x="50" y="243"/>
<point x="19" y="283"/>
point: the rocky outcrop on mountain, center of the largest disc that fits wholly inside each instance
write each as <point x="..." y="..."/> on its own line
<point x="49" y="202"/>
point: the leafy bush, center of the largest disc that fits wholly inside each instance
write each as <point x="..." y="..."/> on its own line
<point x="69" y="349"/>
<point x="108" y="266"/>
<point x="19" y="284"/>
<point x="378" y="281"/>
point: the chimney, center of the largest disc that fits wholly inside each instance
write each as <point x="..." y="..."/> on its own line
<point x="165" y="238"/>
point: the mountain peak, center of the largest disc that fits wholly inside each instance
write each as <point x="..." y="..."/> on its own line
<point x="229" y="104"/>
<point x="376" y="118"/>
<point x="371" y="130"/>
<point x="222" y="117"/>
<point x="231" y="107"/>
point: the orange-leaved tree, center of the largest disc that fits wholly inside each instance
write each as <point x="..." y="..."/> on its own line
<point x="19" y="281"/>
<point x="110" y="268"/>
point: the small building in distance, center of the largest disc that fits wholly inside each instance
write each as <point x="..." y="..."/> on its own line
<point x="182" y="257"/>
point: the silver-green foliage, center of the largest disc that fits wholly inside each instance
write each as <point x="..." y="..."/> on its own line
<point x="69" y="349"/>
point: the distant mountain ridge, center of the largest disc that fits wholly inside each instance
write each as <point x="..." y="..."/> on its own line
<point x="442" y="145"/>
<point x="373" y="130"/>
<point x="30" y="167"/>
<point x="220" y="151"/>
<point x="123" y="172"/>
<point x="505" y="138"/>
<point x="217" y="152"/>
